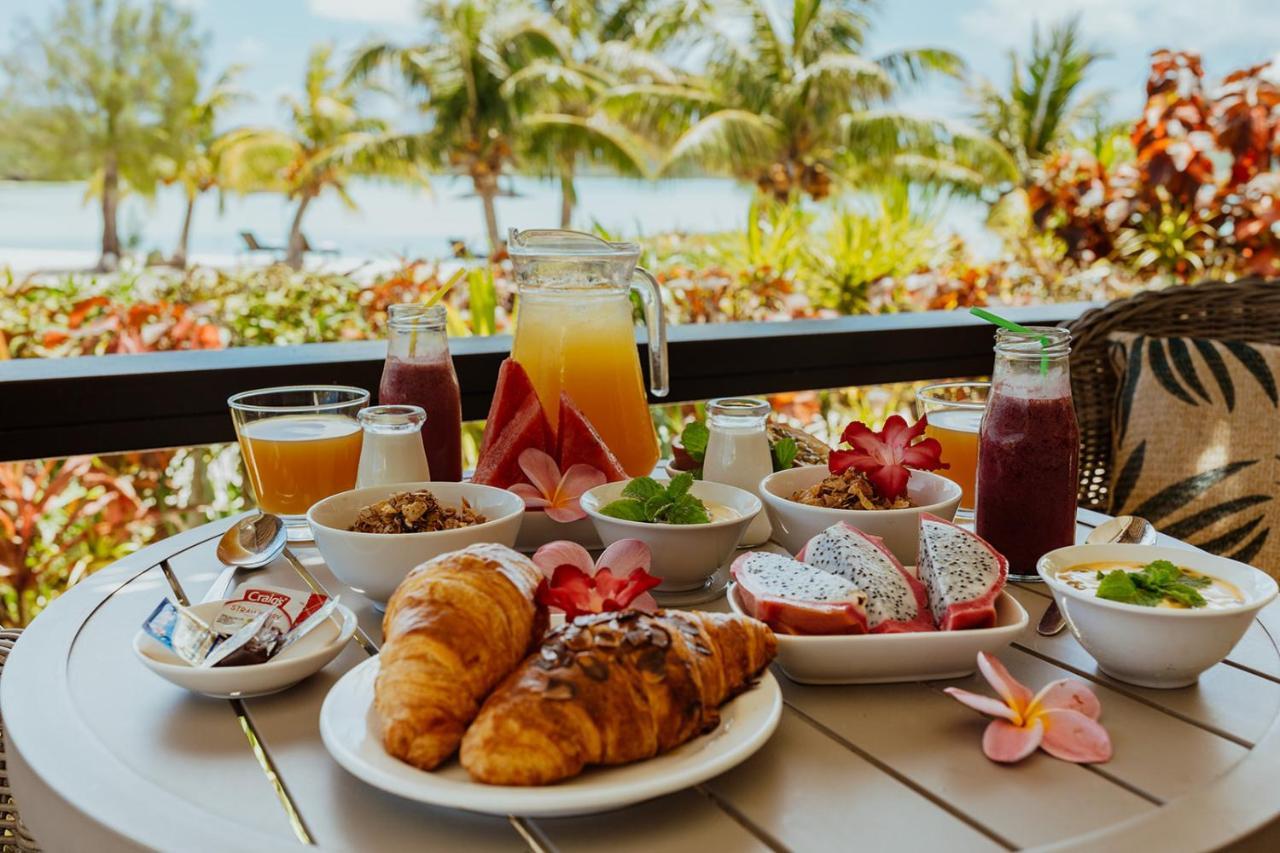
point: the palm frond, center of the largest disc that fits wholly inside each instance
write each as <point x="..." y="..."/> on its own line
<point x="727" y="141"/>
<point x="594" y="139"/>
<point x="914" y="65"/>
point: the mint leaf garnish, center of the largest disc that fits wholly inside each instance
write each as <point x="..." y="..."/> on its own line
<point x="625" y="509"/>
<point x="645" y="499"/>
<point x="642" y="489"/>
<point x="1153" y="583"/>
<point x="694" y="439"/>
<point x="784" y="453"/>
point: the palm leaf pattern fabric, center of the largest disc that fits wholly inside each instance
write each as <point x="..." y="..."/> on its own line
<point x="1197" y="442"/>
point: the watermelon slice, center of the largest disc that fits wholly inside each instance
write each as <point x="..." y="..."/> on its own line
<point x="579" y="442"/>
<point x="499" y="465"/>
<point x="509" y="395"/>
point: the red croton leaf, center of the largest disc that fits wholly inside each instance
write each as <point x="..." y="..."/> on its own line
<point x="886" y="455"/>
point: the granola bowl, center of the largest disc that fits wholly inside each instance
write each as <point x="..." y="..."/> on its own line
<point x="795" y="523"/>
<point x="373" y="564"/>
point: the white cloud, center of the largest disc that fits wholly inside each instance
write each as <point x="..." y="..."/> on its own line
<point x="373" y="11"/>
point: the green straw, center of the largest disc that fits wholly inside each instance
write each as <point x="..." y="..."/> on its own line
<point x="1003" y="323"/>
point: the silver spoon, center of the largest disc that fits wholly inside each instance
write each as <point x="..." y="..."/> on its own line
<point x="251" y="543"/>
<point x="1122" y="528"/>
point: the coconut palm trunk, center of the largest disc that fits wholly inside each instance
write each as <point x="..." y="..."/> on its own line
<point x="184" y="236"/>
<point x="568" y="195"/>
<point x="486" y="186"/>
<point x="294" y="256"/>
<point x="110" y="202"/>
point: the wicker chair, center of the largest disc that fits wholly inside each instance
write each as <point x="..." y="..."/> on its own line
<point x="1244" y="310"/>
<point x="14" y="837"/>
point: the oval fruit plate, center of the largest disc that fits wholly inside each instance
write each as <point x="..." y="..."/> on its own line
<point x="349" y="728"/>
<point x="886" y="658"/>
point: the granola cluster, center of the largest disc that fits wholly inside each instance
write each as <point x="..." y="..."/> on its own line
<point x="849" y="490"/>
<point x="414" y="512"/>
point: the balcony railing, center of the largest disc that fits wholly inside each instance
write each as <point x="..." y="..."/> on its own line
<point x="102" y="404"/>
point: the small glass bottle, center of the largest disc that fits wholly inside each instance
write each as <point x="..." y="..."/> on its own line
<point x="393" y="451"/>
<point x="1029" y="450"/>
<point x="419" y="372"/>
<point x="738" y="453"/>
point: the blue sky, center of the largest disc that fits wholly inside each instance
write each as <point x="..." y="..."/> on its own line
<point x="272" y="37"/>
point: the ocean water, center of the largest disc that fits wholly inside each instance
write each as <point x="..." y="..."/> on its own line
<point x="43" y="224"/>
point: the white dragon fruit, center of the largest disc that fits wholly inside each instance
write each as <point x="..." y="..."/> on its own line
<point x="896" y="600"/>
<point x="794" y="598"/>
<point x="962" y="574"/>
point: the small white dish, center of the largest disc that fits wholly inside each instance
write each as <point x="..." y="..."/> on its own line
<point x="537" y="529"/>
<point x="888" y="658"/>
<point x="306" y="657"/>
<point x="685" y="556"/>
<point x="795" y="523"/>
<point x="1155" y="646"/>
<point x="373" y="564"/>
<point x="349" y="727"/>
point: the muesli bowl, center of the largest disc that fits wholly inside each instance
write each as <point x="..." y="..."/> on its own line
<point x="1155" y="646"/>
<point x="795" y="523"/>
<point x="373" y="564"/>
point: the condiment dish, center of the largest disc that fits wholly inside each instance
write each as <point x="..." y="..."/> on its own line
<point x="310" y="654"/>
<point x="889" y="658"/>
<point x="1155" y="646"/>
<point x="685" y="556"/>
<point x="795" y="523"/>
<point x="373" y="564"/>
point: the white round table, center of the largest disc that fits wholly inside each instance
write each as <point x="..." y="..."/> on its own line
<point x="104" y="755"/>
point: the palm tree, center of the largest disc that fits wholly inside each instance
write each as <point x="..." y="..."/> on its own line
<point x="458" y="73"/>
<point x="792" y="104"/>
<point x="330" y="143"/>
<point x="196" y="147"/>
<point x="1045" y="102"/>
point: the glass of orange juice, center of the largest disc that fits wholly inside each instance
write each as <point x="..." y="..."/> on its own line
<point x="300" y="444"/>
<point x="955" y="413"/>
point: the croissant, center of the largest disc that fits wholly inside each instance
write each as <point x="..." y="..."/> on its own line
<point x="613" y="688"/>
<point x="453" y="629"/>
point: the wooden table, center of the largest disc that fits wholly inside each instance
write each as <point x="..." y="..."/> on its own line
<point x="104" y="755"/>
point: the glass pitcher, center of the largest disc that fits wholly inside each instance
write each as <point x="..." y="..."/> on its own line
<point x="574" y="334"/>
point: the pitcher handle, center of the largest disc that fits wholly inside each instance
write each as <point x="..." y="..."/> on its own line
<point x="655" y="321"/>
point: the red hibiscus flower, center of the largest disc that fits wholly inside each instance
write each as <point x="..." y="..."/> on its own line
<point x="619" y="580"/>
<point x="886" y="455"/>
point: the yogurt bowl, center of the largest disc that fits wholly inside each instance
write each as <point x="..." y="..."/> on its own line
<point x="795" y="523"/>
<point x="685" y="556"/>
<point x="1155" y="646"/>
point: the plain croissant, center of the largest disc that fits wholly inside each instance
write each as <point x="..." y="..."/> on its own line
<point x="613" y="688"/>
<point x="453" y="629"/>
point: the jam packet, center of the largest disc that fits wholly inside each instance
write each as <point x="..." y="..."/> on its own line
<point x="287" y="606"/>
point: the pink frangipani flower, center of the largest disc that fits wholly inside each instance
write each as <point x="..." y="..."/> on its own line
<point x="1062" y="719"/>
<point x="619" y="580"/>
<point x="550" y="491"/>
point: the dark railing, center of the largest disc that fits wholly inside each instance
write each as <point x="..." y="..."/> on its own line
<point x="101" y="404"/>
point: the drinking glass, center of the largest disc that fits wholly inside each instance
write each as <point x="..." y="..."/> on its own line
<point x="300" y="444"/>
<point x="955" y="413"/>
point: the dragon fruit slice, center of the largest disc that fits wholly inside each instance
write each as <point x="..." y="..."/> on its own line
<point x="962" y="574"/>
<point x="896" y="600"/>
<point x="793" y="598"/>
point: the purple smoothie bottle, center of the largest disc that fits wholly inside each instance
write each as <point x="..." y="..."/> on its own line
<point x="1029" y="450"/>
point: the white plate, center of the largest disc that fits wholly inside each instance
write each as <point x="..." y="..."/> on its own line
<point x="306" y="657"/>
<point x="349" y="728"/>
<point x="886" y="658"/>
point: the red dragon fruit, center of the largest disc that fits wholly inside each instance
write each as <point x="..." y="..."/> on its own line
<point x="793" y="598"/>
<point x="896" y="600"/>
<point x="962" y="574"/>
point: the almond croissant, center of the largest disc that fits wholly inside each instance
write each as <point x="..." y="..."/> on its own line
<point x="453" y="629"/>
<point x="613" y="688"/>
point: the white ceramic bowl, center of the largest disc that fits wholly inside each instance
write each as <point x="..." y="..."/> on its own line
<point x="1155" y="646"/>
<point x="537" y="529"/>
<point x="888" y="658"/>
<point x="794" y="523"/>
<point x="685" y="556"/>
<point x="306" y="657"/>
<point x="373" y="564"/>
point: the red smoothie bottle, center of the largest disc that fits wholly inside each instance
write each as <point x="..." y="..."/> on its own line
<point x="419" y="372"/>
<point x="1029" y="451"/>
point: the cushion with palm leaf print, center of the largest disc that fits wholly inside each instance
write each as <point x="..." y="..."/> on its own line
<point x="1196" y="437"/>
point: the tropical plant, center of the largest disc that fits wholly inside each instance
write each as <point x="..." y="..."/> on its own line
<point x="329" y="143"/>
<point x="196" y="146"/>
<point x="791" y="103"/>
<point x="90" y="91"/>
<point x="458" y="74"/>
<point x="1045" y="102"/>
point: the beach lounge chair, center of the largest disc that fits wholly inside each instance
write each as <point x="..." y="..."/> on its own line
<point x="251" y="243"/>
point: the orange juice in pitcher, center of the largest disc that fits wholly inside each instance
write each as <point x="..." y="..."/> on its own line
<point x="574" y="334"/>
